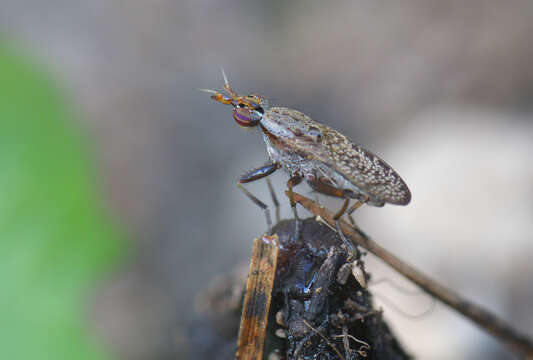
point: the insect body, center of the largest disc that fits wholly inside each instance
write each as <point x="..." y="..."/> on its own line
<point x="329" y="162"/>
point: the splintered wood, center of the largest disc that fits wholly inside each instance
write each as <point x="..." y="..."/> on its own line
<point x="256" y="306"/>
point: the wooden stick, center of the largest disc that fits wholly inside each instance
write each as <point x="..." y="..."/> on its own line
<point x="518" y="343"/>
<point x="256" y="306"/>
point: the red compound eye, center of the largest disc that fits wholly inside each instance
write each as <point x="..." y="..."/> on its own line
<point x="244" y="117"/>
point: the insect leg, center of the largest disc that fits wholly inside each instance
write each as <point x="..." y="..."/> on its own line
<point x="354" y="207"/>
<point x="253" y="175"/>
<point x="274" y="198"/>
<point x="351" y="210"/>
<point x="349" y="245"/>
<point x="323" y="186"/>
<point x="341" y="212"/>
<point x="293" y="181"/>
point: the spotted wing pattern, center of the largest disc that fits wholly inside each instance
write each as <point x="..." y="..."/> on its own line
<point x="360" y="167"/>
<point x="364" y="169"/>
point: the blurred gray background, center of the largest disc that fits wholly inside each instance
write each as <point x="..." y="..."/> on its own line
<point x="442" y="90"/>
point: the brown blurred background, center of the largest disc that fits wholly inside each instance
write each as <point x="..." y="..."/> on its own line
<point x="442" y="90"/>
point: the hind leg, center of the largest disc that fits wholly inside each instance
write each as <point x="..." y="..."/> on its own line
<point x="349" y="245"/>
<point x="325" y="187"/>
<point x="350" y="211"/>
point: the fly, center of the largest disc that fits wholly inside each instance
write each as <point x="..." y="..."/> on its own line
<point x="308" y="150"/>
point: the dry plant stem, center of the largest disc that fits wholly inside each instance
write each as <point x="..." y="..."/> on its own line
<point x="256" y="305"/>
<point x="518" y="343"/>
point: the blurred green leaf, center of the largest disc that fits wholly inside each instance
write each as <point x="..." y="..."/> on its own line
<point x="55" y="239"/>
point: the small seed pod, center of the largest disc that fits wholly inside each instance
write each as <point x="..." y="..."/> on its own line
<point x="343" y="273"/>
<point x="359" y="275"/>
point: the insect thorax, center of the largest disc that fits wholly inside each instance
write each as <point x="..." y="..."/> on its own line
<point x="295" y="164"/>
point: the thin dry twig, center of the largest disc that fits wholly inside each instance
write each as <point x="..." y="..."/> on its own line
<point x="326" y="339"/>
<point x="518" y="343"/>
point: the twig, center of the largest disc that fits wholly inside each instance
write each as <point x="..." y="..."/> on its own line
<point x="256" y="305"/>
<point x="326" y="339"/>
<point x="515" y="341"/>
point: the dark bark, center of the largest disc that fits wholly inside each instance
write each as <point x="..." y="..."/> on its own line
<point x="315" y="312"/>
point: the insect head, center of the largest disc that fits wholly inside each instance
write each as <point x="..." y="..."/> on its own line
<point x="248" y="110"/>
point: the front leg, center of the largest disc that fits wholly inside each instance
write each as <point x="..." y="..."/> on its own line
<point x="254" y="175"/>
